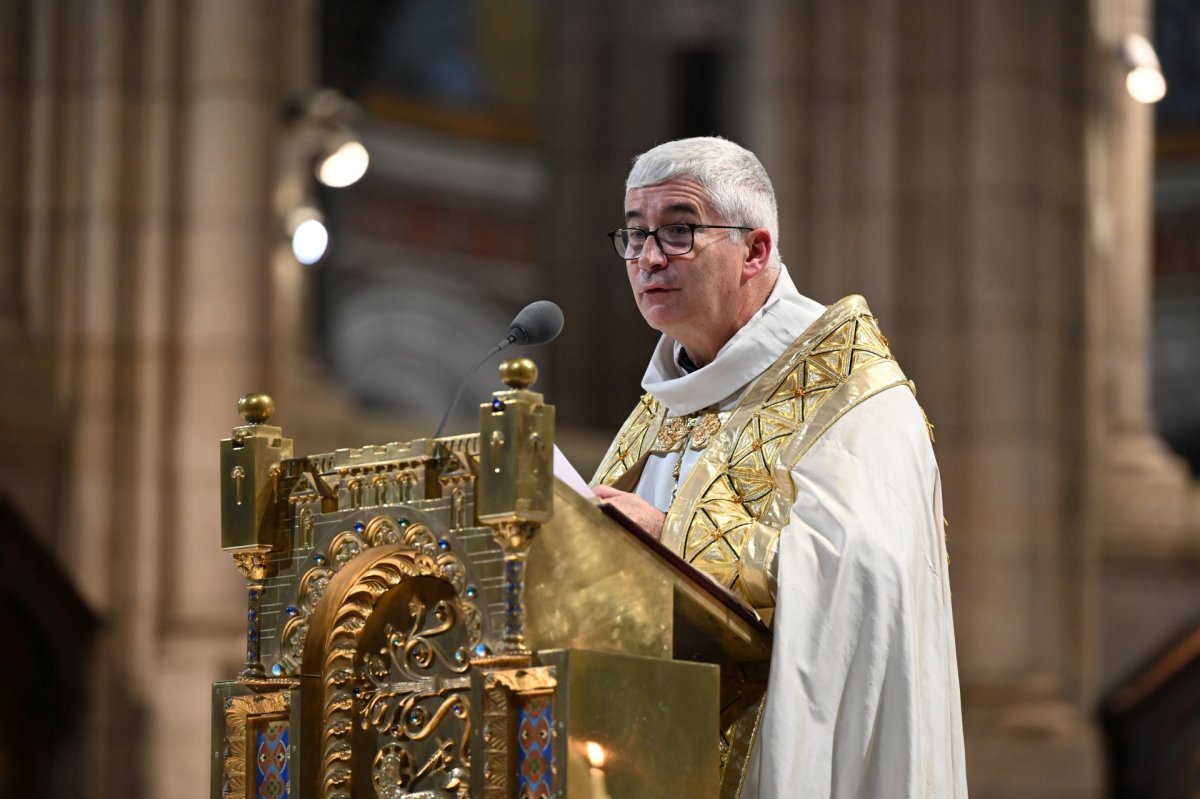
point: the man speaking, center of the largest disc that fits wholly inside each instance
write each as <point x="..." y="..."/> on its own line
<point x="780" y="449"/>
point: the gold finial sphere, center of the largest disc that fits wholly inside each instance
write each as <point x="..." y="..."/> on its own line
<point x="256" y="408"/>
<point x="518" y="373"/>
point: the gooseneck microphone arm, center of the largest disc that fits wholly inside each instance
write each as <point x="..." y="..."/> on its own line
<point x="537" y="323"/>
<point x="462" y="385"/>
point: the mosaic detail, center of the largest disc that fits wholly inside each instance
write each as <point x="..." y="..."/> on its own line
<point x="271" y="759"/>
<point x="243" y="714"/>
<point x="535" y="721"/>
<point x="518" y="705"/>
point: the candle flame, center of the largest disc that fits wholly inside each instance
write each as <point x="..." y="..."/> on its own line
<point x="596" y="754"/>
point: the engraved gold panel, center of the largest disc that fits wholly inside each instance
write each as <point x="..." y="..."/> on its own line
<point x="516" y="459"/>
<point x="655" y="720"/>
<point x="250" y="488"/>
<point x="591" y="585"/>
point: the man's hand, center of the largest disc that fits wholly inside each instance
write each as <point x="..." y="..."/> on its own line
<point x="641" y="512"/>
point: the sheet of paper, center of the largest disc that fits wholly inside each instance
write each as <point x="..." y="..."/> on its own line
<point x="564" y="471"/>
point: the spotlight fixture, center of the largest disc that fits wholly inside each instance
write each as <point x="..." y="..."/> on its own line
<point x="1143" y="77"/>
<point x="310" y="239"/>
<point x="320" y="141"/>
<point x="344" y="165"/>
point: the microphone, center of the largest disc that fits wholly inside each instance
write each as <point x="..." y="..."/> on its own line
<point x="537" y="323"/>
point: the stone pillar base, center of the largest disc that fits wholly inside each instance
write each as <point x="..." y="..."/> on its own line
<point x="1039" y="749"/>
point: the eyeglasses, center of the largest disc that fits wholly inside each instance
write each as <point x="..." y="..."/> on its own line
<point x="675" y="239"/>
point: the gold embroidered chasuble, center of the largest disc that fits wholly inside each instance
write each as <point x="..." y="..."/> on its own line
<point x="726" y="515"/>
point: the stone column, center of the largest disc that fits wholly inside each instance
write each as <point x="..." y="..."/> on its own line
<point x="138" y="146"/>
<point x="241" y="64"/>
<point x="1147" y="502"/>
<point x="929" y="155"/>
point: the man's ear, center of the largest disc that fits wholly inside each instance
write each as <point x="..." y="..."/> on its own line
<point x="758" y="255"/>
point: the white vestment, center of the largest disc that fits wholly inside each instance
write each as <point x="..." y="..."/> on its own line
<point x="863" y="695"/>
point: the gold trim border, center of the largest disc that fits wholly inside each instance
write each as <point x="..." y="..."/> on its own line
<point x="239" y="710"/>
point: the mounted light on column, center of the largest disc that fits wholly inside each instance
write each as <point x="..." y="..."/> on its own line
<point x="344" y="164"/>
<point x="1143" y="78"/>
<point x="322" y="143"/>
<point x="310" y="239"/>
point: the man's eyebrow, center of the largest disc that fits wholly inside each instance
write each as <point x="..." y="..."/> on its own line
<point x="679" y="208"/>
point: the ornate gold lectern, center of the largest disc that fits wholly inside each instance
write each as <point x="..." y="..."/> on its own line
<point x="443" y="619"/>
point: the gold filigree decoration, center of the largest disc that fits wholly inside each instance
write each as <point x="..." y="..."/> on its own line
<point x="254" y="565"/>
<point x="395" y="770"/>
<point x="291" y="642"/>
<point x="342" y="684"/>
<point x="312" y="588"/>
<point x="345" y="546"/>
<point x="382" y="531"/>
<point x="395" y="706"/>
<point x="413" y="707"/>
<point x="694" y="429"/>
<point x="496" y="736"/>
<point x="238" y="712"/>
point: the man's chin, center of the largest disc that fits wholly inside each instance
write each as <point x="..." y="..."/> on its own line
<point x="661" y="319"/>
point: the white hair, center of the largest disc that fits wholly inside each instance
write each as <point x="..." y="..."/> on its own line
<point x="731" y="176"/>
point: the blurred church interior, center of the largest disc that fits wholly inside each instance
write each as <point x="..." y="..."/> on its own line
<point x="1026" y="230"/>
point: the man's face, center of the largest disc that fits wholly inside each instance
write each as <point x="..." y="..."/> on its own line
<point x="695" y="297"/>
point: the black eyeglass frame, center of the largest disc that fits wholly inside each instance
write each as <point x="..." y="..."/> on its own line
<point x="612" y="235"/>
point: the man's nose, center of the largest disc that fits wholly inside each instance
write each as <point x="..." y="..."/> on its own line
<point x="652" y="258"/>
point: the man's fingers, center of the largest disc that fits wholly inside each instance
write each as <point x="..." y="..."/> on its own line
<point x="606" y="492"/>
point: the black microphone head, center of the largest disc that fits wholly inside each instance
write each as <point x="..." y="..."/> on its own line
<point x="538" y="323"/>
